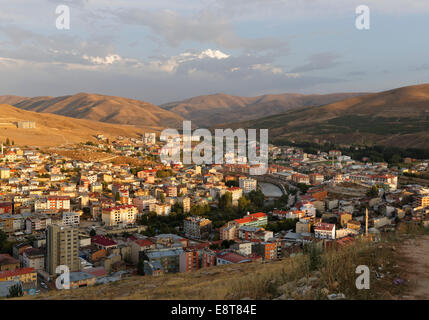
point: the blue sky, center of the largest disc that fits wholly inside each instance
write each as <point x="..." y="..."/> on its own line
<point x="167" y="50"/>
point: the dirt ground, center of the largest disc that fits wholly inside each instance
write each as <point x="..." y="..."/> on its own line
<point x="414" y="255"/>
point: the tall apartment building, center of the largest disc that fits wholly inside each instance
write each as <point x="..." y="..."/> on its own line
<point x="62" y="246"/>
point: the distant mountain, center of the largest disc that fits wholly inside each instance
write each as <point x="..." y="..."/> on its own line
<point x="53" y="130"/>
<point x="398" y="117"/>
<point x="11" y="100"/>
<point x="102" y="108"/>
<point x="222" y="108"/>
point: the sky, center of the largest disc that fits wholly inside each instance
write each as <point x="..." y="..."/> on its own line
<point x="168" y="50"/>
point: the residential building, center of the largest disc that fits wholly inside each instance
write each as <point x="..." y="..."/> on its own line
<point x="62" y="248"/>
<point x="197" y="227"/>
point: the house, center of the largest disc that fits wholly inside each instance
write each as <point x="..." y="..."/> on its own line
<point x="34" y="258"/>
<point x="153" y="268"/>
<point x="197" y="227"/>
<point x="138" y="246"/>
<point x="103" y="242"/>
<point x="344" y="217"/>
<point x="267" y="250"/>
<point x="25" y="275"/>
<point x="229" y="257"/>
<point x="81" y="279"/>
<point x="325" y="231"/>
<point x="8" y="263"/>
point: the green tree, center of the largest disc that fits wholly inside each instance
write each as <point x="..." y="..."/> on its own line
<point x="92" y="233"/>
<point x="372" y="192"/>
<point x="162" y="198"/>
<point x="225" y="200"/>
<point x="15" y="291"/>
<point x="244" y="204"/>
<point x="7" y="141"/>
<point x="140" y="267"/>
<point x="117" y="196"/>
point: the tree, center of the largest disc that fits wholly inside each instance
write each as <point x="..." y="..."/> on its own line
<point x="225" y="200"/>
<point x="162" y="198"/>
<point x="244" y="204"/>
<point x="372" y="192"/>
<point x="92" y="233"/>
<point x="3" y="241"/>
<point x="140" y="267"/>
<point x="7" y="141"/>
<point x="15" y="291"/>
<point x="231" y="183"/>
<point x="117" y="196"/>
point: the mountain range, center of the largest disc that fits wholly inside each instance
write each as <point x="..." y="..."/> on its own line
<point x="210" y="110"/>
<point x="398" y="117"/>
<point x="97" y="107"/>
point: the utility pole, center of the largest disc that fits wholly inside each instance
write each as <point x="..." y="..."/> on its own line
<point x="366" y="222"/>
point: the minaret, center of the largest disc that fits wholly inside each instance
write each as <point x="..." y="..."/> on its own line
<point x="366" y="221"/>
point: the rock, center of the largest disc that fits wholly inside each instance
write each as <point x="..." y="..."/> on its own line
<point x="338" y="296"/>
<point x="303" y="290"/>
<point x="313" y="280"/>
<point x="325" y="291"/>
<point x="286" y="287"/>
<point x="302" y="281"/>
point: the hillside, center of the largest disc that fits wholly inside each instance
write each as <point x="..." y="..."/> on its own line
<point x="398" y="117"/>
<point x="222" y="108"/>
<point x="98" y="107"/>
<point x="299" y="278"/>
<point x="54" y="130"/>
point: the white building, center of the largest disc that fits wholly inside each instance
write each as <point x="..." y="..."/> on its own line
<point x="325" y="231"/>
<point x="247" y="184"/>
<point x="71" y="219"/>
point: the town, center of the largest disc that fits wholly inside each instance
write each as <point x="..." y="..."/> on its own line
<point x="109" y="209"/>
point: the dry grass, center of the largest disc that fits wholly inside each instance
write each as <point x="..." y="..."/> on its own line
<point x="335" y="274"/>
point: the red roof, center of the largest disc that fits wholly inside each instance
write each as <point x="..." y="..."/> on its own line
<point x="103" y="241"/>
<point x="232" y="257"/>
<point x="324" y="226"/>
<point x="144" y="243"/>
<point x="96" y="272"/>
<point x="17" y="272"/>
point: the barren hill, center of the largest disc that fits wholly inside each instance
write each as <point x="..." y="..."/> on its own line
<point x="398" y="117"/>
<point x="102" y="108"/>
<point x="222" y="108"/>
<point x="54" y="130"/>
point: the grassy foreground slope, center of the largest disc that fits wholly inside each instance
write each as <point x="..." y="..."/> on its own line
<point x="313" y="275"/>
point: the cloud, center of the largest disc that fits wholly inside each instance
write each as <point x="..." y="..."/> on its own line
<point x="203" y="27"/>
<point x="318" y="61"/>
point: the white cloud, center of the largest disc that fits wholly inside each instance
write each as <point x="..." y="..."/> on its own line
<point x="107" y="60"/>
